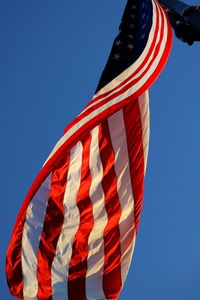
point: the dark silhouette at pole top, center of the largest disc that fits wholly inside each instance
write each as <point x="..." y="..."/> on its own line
<point x="184" y="19"/>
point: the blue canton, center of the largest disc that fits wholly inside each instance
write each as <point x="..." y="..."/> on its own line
<point x="132" y="38"/>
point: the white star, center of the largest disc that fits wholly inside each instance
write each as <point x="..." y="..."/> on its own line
<point x="118" y="43"/>
<point x="130" y="46"/>
<point x="116" y="56"/>
<point x="142" y="36"/>
<point x="130" y="36"/>
<point x="132" y="16"/>
<point x="143" y="26"/>
<point x="143" y="16"/>
<point x="131" y="25"/>
<point x="133" y="6"/>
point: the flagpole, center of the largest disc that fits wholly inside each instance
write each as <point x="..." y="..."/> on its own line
<point x="184" y="19"/>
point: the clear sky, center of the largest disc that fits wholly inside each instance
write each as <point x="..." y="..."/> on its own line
<point x="51" y="56"/>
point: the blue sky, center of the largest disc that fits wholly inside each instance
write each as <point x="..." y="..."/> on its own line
<point x="51" y="56"/>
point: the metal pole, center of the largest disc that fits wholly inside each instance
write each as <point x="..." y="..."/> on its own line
<point x="185" y="20"/>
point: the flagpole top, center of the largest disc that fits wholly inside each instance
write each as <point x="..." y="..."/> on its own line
<point x="184" y="19"/>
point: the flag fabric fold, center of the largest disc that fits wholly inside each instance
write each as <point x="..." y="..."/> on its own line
<point x="75" y="233"/>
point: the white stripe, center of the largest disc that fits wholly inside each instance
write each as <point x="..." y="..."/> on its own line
<point x="116" y="100"/>
<point x="31" y="239"/>
<point x="124" y="188"/>
<point x="144" y="114"/>
<point x="60" y="265"/>
<point x="95" y="261"/>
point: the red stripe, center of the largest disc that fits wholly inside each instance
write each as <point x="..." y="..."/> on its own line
<point x="112" y="268"/>
<point x="52" y="228"/>
<point x="133" y="127"/>
<point x="13" y="261"/>
<point x="78" y="263"/>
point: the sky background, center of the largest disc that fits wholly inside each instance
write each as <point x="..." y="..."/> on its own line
<point x="51" y="56"/>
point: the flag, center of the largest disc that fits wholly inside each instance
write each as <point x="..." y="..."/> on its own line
<point x="75" y="233"/>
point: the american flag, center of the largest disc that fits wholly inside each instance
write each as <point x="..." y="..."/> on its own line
<point x="75" y="233"/>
